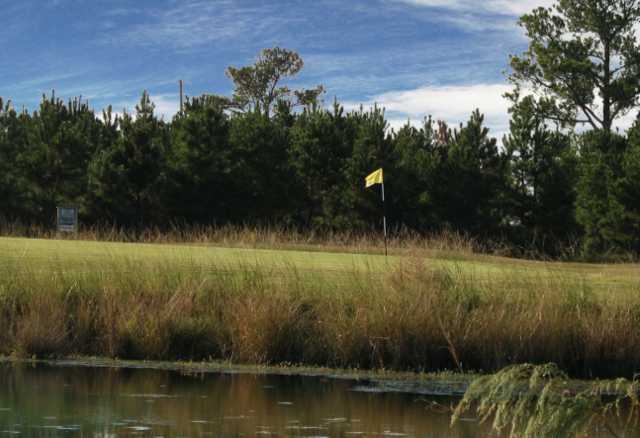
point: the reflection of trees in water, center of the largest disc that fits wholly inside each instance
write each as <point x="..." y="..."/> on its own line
<point x="224" y="404"/>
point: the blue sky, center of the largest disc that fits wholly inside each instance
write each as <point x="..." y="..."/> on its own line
<point x="415" y="57"/>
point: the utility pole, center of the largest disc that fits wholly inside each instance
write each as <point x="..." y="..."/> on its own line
<point x="181" y="82"/>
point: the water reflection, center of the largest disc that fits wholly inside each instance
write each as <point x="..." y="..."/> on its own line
<point x="106" y="402"/>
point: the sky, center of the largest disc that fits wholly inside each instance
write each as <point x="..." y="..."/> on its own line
<point x="442" y="58"/>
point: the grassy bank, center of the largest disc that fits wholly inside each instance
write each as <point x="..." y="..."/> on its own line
<point x="266" y="237"/>
<point x="418" y="313"/>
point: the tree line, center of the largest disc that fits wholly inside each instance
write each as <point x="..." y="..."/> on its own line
<point x="272" y="155"/>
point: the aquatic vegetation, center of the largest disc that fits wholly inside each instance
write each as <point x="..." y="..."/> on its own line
<point x="534" y="401"/>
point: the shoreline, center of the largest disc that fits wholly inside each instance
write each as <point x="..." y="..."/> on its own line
<point x="445" y="384"/>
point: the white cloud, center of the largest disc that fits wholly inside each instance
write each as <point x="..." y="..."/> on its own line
<point x="453" y="104"/>
<point x="503" y="7"/>
<point x="626" y="121"/>
<point x="166" y="105"/>
<point x="191" y="23"/>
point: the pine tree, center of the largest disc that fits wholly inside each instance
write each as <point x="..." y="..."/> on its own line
<point x="542" y="169"/>
<point x="128" y="180"/>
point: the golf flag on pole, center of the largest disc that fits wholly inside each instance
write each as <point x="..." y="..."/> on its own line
<point x="375" y="178"/>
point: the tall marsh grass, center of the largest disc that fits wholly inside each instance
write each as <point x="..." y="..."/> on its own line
<point x="413" y="317"/>
<point x="270" y="237"/>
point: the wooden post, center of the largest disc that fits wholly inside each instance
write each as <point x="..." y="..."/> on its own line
<point x="181" y="97"/>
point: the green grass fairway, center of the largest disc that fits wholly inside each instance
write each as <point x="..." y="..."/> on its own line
<point x="37" y="255"/>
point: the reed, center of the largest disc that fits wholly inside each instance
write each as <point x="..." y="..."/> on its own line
<point x="409" y="316"/>
<point x="266" y="236"/>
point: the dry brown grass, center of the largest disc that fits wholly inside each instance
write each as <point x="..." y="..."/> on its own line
<point x="269" y="237"/>
<point x="411" y="318"/>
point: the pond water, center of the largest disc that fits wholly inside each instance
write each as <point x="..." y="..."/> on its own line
<point x="47" y="400"/>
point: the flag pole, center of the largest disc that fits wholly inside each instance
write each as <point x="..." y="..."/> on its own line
<point x="373" y="179"/>
<point x="384" y="221"/>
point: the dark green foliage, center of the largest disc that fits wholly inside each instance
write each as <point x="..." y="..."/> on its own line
<point x="627" y="193"/>
<point x="583" y="64"/>
<point x="66" y="139"/>
<point x="301" y="169"/>
<point x="46" y="157"/>
<point x="372" y="148"/>
<point x="599" y="208"/>
<point x="13" y="194"/>
<point x="274" y="156"/>
<point x="127" y="179"/>
<point x="260" y="169"/>
<point x="608" y="201"/>
<point x="321" y="143"/>
<point x="420" y="158"/>
<point x="542" y="173"/>
<point x="200" y="163"/>
<point x="473" y="179"/>
<point x="305" y="169"/>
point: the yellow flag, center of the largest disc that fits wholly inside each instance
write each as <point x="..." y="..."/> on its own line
<point x="375" y="178"/>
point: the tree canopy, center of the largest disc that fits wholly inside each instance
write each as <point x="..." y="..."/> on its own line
<point x="583" y="61"/>
<point x="259" y="86"/>
<point x="272" y="155"/>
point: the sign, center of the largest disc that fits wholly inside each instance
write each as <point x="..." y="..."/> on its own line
<point x="67" y="219"/>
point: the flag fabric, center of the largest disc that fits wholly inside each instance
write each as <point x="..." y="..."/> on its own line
<point x="375" y="178"/>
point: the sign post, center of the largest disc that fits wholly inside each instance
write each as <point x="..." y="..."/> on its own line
<point x="67" y="219"/>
